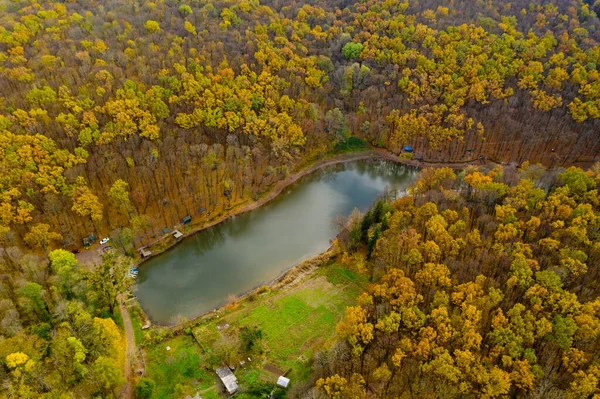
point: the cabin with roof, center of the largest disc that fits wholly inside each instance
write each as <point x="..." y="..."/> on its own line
<point x="283" y="381"/>
<point x="186" y="219"/>
<point x="177" y="234"/>
<point x="144" y="253"/>
<point x="228" y="379"/>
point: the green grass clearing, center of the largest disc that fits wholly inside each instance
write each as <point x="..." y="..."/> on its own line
<point x="177" y="368"/>
<point x="136" y="322"/>
<point x="351" y="144"/>
<point x="297" y="321"/>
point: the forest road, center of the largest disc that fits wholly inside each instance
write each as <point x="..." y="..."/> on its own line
<point x="127" y="390"/>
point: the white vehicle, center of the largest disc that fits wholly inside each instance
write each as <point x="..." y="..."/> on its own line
<point x="104" y="241"/>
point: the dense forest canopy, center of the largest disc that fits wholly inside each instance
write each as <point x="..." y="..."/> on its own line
<point x="204" y="104"/>
<point x="485" y="286"/>
<point x="121" y="117"/>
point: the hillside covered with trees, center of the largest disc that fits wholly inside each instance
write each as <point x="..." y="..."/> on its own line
<point x="119" y="118"/>
<point x="134" y="114"/>
<point x="485" y="286"/>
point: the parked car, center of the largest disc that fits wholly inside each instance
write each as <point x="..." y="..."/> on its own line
<point x="104" y="241"/>
<point x="75" y="251"/>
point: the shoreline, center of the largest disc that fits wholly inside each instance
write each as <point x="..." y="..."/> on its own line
<point x="305" y="265"/>
<point x="296" y="271"/>
<point x="374" y="153"/>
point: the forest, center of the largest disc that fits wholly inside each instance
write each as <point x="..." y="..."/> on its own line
<point x="134" y="115"/>
<point x="120" y="118"/>
<point x="484" y="286"/>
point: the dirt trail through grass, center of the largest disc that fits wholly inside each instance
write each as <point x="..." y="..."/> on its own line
<point x="127" y="390"/>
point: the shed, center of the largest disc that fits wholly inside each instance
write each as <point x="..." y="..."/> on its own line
<point x="166" y="230"/>
<point x="228" y="379"/>
<point x="283" y="382"/>
<point x="177" y="234"/>
<point x="186" y="219"/>
<point x="408" y="148"/>
<point x="144" y="253"/>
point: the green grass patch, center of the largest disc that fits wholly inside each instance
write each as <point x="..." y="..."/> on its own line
<point x="176" y="368"/>
<point x="338" y="274"/>
<point x="211" y="395"/>
<point x="118" y="318"/>
<point x="248" y="376"/>
<point x="297" y="322"/>
<point x="351" y="144"/>
<point x="136" y="322"/>
<point x="206" y="335"/>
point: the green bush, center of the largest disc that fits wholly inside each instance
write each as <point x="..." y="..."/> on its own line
<point x="250" y="338"/>
<point x="144" y="388"/>
<point x="351" y="144"/>
<point x="406" y="156"/>
<point x="263" y="289"/>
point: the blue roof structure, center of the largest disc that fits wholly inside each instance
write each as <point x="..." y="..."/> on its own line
<point x="408" y="148"/>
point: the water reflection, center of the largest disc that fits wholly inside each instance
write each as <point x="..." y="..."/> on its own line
<point x="232" y="257"/>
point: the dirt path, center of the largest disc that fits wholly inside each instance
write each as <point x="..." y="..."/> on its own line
<point x="127" y="390"/>
<point x="90" y="257"/>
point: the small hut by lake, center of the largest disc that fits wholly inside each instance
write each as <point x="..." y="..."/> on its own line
<point x="177" y="234"/>
<point x="228" y="379"/>
<point x="144" y="253"/>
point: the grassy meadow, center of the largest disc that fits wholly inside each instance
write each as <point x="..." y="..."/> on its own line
<point x="294" y="322"/>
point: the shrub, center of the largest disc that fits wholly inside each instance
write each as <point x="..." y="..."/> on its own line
<point x="144" y="388"/>
<point x="263" y="289"/>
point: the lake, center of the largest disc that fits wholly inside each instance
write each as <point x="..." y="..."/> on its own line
<point x="251" y="249"/>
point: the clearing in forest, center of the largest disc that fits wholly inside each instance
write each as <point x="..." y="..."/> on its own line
<point x="294" y="321"/>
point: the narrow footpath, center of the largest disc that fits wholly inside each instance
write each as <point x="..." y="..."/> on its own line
<point x="127" y="390"/>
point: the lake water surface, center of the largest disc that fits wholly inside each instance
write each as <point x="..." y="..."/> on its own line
<point x="251" y="249"/>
